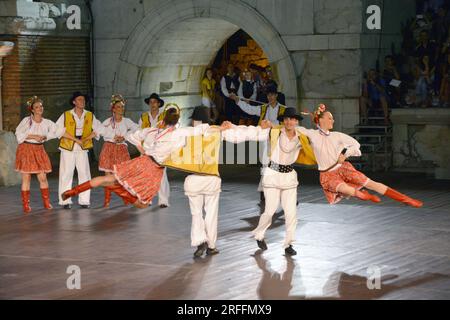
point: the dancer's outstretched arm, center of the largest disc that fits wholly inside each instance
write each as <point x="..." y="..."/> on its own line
<point x="238" y="134"/>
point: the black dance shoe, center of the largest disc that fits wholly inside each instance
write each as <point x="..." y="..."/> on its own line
<point x="200" y="250"/>
<point x="262" y="244"/>
<point x="290" y="251"/>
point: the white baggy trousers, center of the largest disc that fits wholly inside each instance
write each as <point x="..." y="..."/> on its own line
<point x="68" y="161"/>
<point x="279" y="187"/>
<point x="164" y="190"/>
<point x="203" y="193"/>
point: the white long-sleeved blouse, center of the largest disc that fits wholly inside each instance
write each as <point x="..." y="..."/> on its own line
<point x="121" y="128"/>
<point x="328" y="145"/>
<point x="45" y="128"/>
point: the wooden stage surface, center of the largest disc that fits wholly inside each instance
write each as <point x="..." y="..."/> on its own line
<point x="127" y="253"/>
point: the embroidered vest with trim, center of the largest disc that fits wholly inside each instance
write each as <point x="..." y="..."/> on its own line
<point x="264" y="107"/>
<point x="71" y="127"/>
<point x="145" y="117"/>
<point x="200" y="155"/>
<point x="306" y="154"/>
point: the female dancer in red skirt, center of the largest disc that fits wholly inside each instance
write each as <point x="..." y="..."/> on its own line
<point x="31" y="157"/>
<point x="115" y="150"/>
<point x="337" y="176"/>
<point x="137" y="181"/>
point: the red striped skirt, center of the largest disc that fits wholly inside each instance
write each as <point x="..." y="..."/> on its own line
<point x="111" y="154"/>
<point x="32" y="158"/>
<point x="141" y="177"/>
<point x="347" y="174"/>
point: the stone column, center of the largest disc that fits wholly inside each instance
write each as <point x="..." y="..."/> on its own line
<point x="5" y="49"/>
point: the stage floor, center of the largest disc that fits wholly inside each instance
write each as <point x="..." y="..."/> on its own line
<point x="127" y="253"/>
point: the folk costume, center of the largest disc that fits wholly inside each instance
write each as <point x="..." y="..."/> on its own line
<point x="76" y="156"/>
<point x="327" y="147"/>
<point x="31" y="157"/>
<point x="279" y="179"/>
<point x="148" y="121"/>
<point x="203" y="187"/>
<point x="114" y="152"/>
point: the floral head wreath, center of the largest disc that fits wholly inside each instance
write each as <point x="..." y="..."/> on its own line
<point x="115" y="98"/>
<point x="32" y="100"/>
<point x="321" y="109"/>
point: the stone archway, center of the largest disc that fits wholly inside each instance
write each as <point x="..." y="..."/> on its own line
<point x="169" y="49"/>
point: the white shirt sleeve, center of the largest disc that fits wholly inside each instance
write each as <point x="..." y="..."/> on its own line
<point x="54" y="131"/>
<point x="223" y="87"/>
<point x="132" y="126"/>
<point x="353" y="146"/>
<point x="138" y="136"/>
<point x="239" y="134"/>
<point x="98" y="128"/>
<point x="191" y="131"/>
<point x="23" y="130"/>
<point x="60" y="122"/>
<point x="306" y="132"/>
<point x="251" y="110"/>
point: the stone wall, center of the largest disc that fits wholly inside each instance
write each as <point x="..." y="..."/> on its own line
<point x="8" y="146"/>
<point x="48" y="60"/>
<point x="420" y="141"/>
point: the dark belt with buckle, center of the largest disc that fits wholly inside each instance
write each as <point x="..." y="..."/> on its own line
<point x="280" y="167"/>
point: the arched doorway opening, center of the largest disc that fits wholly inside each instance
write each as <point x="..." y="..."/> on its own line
<point x="170" y="49"/>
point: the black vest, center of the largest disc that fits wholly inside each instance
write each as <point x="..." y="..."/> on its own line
<point x="234" y="80"/>
<point x="248" y="88"/>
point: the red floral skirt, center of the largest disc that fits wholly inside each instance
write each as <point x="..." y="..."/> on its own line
<point x="32" y="158"/>
<point x="141" y="177"/>
<point x="347" y="174"/>
<point x="111" y="154"/>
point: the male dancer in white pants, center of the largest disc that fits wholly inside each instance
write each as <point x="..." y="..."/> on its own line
<point x="151" y="119"/>
<point x="203" y="190"/>
<point x="83" y="127"/>
<point x="279" y="180"/>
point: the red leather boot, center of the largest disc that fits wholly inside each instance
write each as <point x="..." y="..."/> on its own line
<point x="77" y="190"/>
<point x="364" y="195"/>
<point x="400" y="197"/>
<point x="45" y="193"/>
<point x="127" y="197"/>
<point x="26" y="201"/>
<point x="107" y="198"/>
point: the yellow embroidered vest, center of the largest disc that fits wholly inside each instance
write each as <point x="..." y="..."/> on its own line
<point x="306" y="154"/>
<point x="200" y="155"/>
<point x="145" y="117"/>
<point x="70" y="125"/>
<point x="264" y="111"/>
